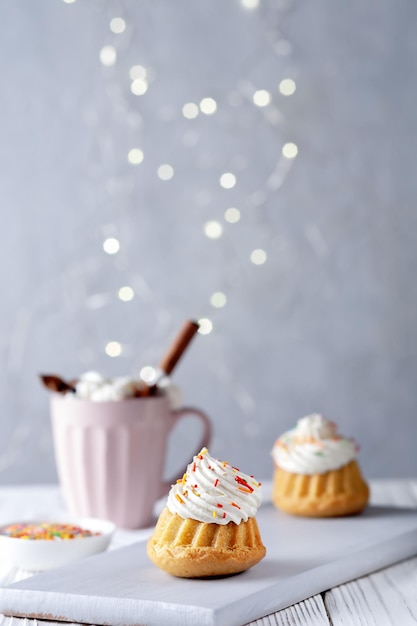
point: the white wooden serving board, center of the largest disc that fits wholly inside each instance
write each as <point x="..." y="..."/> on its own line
<point x="304" y="557"/>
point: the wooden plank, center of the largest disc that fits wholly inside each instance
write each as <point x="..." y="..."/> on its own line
<point x="312" y="612"/>
<point x="385" y="598"/>
<point x="295" y="567"/>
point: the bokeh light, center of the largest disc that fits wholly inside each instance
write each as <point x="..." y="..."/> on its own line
<point x="218" y="299"/>
<point x="262" y="98"/>
<point x="205" y="326"/>
<point x="108" y="56"/>
<point x="135" y="156"/>
<point x="289" y="150"/>
<point x="148" y="373"/>
<point x="250" y="4"/>
<point x="111" y="245"/>
<point x="113" y="348"/>
<point x="190" y="110"/>
<point x="227" y="180"/>
<point x="258" y="256"/>
<point x="126" y="293"/>
<point x="117" y="25"/>
<point x="213" y="229"/>
<point x="139" y="86"/>
<point x="165" y="171"/>
<point x="232" y="215"/>
<point x="208" y="106"/>
<point x="137" y="71"/>
<point x="287" y="87"/>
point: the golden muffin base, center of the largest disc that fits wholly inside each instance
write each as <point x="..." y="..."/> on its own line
<point x="332" y="494"/>
<point x="191" y="549"/>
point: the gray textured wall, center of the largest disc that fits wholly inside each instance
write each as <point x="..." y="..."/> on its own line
<point x="327" y="323"/>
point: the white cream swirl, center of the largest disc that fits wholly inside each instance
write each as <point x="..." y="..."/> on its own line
<point x="313" y="447"/>
<point x="97" y="388"/>
<point x="212" y="491"/>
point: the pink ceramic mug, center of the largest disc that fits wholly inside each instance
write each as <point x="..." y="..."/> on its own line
<point x="110" y="456"/>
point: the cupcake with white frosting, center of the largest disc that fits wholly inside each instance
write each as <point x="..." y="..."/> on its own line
<point x="208" y="527"/>
<point x="316" y="473"/>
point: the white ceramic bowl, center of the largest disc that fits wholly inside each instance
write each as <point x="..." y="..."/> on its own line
<point x="41" y="554"/>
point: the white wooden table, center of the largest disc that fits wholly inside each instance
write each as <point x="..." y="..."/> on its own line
<point x="386" y="597"/>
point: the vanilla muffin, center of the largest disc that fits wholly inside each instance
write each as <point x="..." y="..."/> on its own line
<point x="316" y="473"/>
<point x="208" y="527"/>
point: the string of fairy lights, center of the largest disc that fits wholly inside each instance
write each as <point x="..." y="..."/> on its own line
<point x="213" y="229"/>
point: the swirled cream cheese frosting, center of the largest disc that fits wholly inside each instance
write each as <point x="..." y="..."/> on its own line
<point x="213" y="491"/>
<point x="313" y="447"/>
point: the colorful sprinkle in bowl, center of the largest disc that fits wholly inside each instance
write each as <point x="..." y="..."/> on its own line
<point x="38" y="545"/>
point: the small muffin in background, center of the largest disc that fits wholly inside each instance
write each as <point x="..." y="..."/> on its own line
<point x="208" y="527"/>
<point x="316" y="473"/>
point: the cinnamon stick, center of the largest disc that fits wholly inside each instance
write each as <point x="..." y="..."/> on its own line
<point x="57" y="384"/>
<point x="178" y="346"/>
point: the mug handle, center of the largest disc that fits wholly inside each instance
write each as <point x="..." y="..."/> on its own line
<point x="204" y="441"/>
